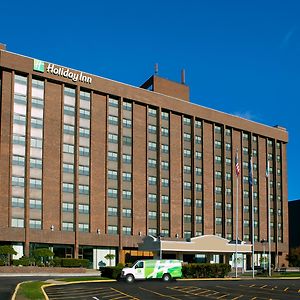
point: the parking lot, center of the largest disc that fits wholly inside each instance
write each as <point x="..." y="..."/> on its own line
<point x="216" y="289"/>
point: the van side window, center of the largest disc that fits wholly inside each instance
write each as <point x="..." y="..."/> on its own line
<point x="139" y="265"/>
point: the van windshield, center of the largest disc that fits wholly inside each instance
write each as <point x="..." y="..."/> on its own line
<point x="139" y="264"/>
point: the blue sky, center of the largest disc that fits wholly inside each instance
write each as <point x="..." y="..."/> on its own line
<point x="240" y="57"/>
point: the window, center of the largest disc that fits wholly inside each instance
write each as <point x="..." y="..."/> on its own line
<point x="17" y="202"/>
<point x="84" y="113"/>
<point x="218" y="129"/>
<point x="127" y="105"/>
<point x="270" y="143"/>
<point x="218" y="221"/>
<point x="187" y="185"/>
<point x="228" y="161"/>
<point x="187" y="202"/>
<point x="218" y="159"/>
<point x="228" y="132"/>
<point x="69" y="129"/>
<point x="164" y="115"/>
<point x="126" y="176"/>
<point x="218" y="174"/>
<point x="35" y="183"/>
<point x="246" y="223"/>
<point x="68" y="187"/>
<point x="198" y="219"/>
<point x="126" y="212"/>
<point x="246" y="237"/>
<point x="254" y="139"/>
<point x="113" y="120"/>
<point x="165" y="182"/>
<point x="187" y="137"/>
<point x="228" y="176"/>
<point x="69" y="110"/>
<point x="198" y="203"/>
<point x="112" y="156"/>
<point x="198" y="171"/>
<point x="164" y="131"/>
<point x="165" y="165"/>
<point x="85" y="96"/>
<point x="152" y="180"/>
<point x="112" y="229"/>
<point x="245" y="136"/>
<point x="35" y="204"/>
<point x="255" y="223"/>
<point x="67" y="168"/>
<point x="165" y="232"/>
<point x="245" y="165"/>
<point x="113" y="102"/>
<point x="127" y="158"/>
<point x="186" y="121"/>
<point x="127" y="123"/>
<point x="112" y="211"/>
<point x="198" y="187"/>
<point x="67" y="207"/>
<point x="165" y="199"/>
<point x="218" y="189"/>
<point x="113" y="138"/>
<point x="152" y="197"/>
<point x="255" y="195"/>
<point x="228" y="221"/>
<point x="164" y="148"/>
<point x="228" y="146"/>
<point x="246" y="194"/>
<point x="19" y="119"/>
<point x="69" y="92"/>
<point x="165" y="216"/>
<point x="152" y="215"/>
<point x="83" y="227"/>
<point x="17" y="222"/>
<point x="38" y="103"/>
<point x="187" y="234"/>
<point x="127" y="140"/>
<point x="84" y="189"/>
<point x="228" y="191"/>
<point x="126" y="195"/>
<point x="228" y="206"/>
<point x="126" y="230"/>
<point x="187" y="218"/>
<point x="198" y="139"/>
<point x="151" y="128"/>
<point x="84" y="151"/>
<point x="218" y="144"/>
<point x="68" y="148"/>
<point x="112" y="193"/>
<point x="198" y="124"/>
<point x="218" y="205"/>
<point x="36" y="143"/>
<point x="67" y="226"/>
<point x="187" y="169"/>
<point x="22" y="100"/>
<point x="151" y="112"/>
<point x="187" y="153"/>
<point x="152" y="231"/>
<point x="18" y="160"/>
<point x="84" y="170"/>
<point x="83" y="208"/>
<point x="254" y="153"/>
<point x="198" y="155"/>
<point x="152" y="146"/>
<point x="245" y="150"/>
<point x="152" y="163"/>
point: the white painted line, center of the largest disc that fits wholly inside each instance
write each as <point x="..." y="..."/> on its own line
<point x="262" y="287"/>
<point x="96" y="298"/>
<point x="223" y="296"/>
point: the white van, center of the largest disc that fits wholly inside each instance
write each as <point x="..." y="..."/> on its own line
<point x="165" y="269"/>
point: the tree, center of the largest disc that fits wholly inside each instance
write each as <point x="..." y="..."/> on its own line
<point x="42" y="254"/>
<point x="109" y="256"/>
<point x="5" y="252"/>
<point x="294" y="257"/>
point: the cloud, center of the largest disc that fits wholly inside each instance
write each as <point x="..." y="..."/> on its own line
<point x="285" y="41"/>
<point x="245" y="115"/>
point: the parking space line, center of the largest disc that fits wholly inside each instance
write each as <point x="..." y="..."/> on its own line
<point x="111" y="295"/>
<point x="299" y="291"/>
<point x="262" y="287"/>
<point x="252" y="285"/>
<point x="129" y="296"/>
<point x="159" y="294"/>
<point x="253" y="298"/>
<point x="240" y="296"/>
<point x="285" y="289"/>
<point x="223" y="296"/>
<point x="123" y="296"/>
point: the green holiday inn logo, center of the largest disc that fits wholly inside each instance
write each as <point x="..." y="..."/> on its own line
<point x="38" y="65"/>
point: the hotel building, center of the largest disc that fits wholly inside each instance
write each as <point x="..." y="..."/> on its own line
<point x="90" y="166"/>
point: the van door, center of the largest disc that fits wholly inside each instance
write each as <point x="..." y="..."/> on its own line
<point x="139" y="270"/>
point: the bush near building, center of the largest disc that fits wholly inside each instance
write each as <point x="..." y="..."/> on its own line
<point x="205" y="270"/>
<point x="294" y="257"/>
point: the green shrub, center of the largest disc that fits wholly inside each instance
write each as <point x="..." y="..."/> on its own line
<point x="56" y="262"/>
<point x="205" y="270"/>
<point x="24" y="261"/>
<point x="74" y="263"/>
<point x="111" y="272"/>
<point x="2" y="262"/>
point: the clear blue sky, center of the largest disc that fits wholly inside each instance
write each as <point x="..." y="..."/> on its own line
<point x="241" y="57"/>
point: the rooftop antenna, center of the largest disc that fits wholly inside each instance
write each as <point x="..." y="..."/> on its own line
<point x="183" y="76"/>
<point x="156" y="69"/>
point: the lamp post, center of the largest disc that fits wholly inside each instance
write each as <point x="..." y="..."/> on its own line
<point x="263" y="241"/>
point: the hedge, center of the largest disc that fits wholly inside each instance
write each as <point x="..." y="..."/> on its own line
<point x="24" y="261"/>
<point x="205" y="270"/>
<point x="74" y="262"/>
<point x="111" y="272"/>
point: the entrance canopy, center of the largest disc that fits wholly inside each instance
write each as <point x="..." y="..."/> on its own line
<point x="199" y="244"/>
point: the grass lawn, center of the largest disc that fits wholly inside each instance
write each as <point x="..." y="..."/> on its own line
<point x="32" y="290"/>
<point x="87" y="278"/>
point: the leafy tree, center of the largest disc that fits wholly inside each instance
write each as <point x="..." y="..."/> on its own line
<point x="5" y="252"/>
<point x="42" y="254"/>
<point x="294" y="257"/>
<point x="109" y="256"/>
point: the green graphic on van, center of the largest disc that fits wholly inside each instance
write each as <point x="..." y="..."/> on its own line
<point x="38" y="65"/>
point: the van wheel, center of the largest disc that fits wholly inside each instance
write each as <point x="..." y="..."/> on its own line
<point x="166" y="277"/>
<point x="129" y="278"/>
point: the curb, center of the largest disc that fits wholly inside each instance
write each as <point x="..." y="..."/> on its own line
<point x="17" y="288"/>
